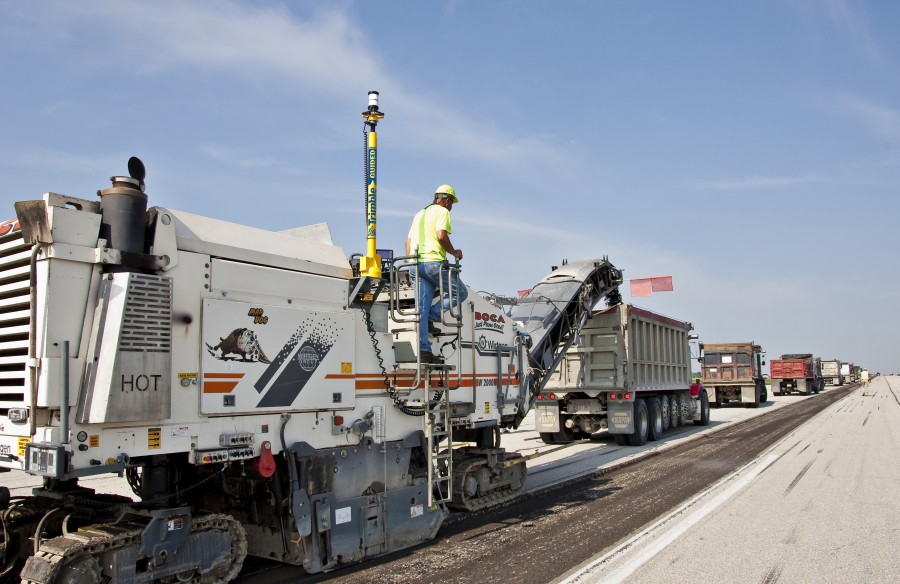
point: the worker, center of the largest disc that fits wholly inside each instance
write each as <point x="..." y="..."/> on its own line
<point x="429" y="240"/>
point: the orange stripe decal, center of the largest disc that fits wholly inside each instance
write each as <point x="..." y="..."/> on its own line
<point x="219" y="386"/>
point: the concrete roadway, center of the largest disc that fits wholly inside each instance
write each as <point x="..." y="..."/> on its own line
<point x="819" y="506"/>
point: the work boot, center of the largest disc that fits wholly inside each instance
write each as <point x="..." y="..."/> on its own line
<point x="433" y="329"/>
<point x="428" y="357"/>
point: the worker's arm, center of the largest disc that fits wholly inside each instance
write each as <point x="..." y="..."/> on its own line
<point x="409" y="250"/>
<point x="444" y="239"/>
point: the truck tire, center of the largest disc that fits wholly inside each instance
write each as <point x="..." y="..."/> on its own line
<point x="684" y="408"/>
<point x="641" y="424"/>
<point x="564" y="436"/>
<point x="664" y="408"/>
<point x="621" y="439"/>
<point x="674" y="414"/>
<point x="704" y="410"/>
<point x="655" y="427"/>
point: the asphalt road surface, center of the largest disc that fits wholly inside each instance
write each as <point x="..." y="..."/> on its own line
<point x="560" y="532"/>
<point x="819" y="507"/>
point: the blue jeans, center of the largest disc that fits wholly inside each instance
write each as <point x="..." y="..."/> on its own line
<point x="431" y="275"/>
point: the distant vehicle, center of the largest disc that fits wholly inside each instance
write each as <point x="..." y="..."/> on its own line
<point x="732" y="372"/>
<point x="847" y="372"/>
<point x="629" y="373"/>
<point x="831" y="372"/>
<point x="796" y="373"/>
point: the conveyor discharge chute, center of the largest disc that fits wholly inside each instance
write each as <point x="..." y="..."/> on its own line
<point x="557" y="307"/>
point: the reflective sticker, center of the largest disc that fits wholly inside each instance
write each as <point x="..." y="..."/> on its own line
<point x="342" y="515"/>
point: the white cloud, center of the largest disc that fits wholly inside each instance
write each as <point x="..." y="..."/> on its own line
<point x="326" y="53"/>
<point x="882" y="120"/>
<point x="850" y="18"/>
<point x="756" y="183"/>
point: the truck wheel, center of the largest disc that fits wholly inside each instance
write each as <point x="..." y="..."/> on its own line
<point x="641" y="424"/>
<point x="565" y="436"/>
<point x="763" y="394"/>
<point x="684" y="407"/>
<point x="704" y="410"/>
<point x="621" y="439"/>
<point x="655" y="427"/>
<point x="547" y="438"/>
<point x="674" y="415"/>
<point x="664" y="409"/>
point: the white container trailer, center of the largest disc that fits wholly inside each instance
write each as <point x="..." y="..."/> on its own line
<point x="629" y="373"/>
<point x="831" y="372"/>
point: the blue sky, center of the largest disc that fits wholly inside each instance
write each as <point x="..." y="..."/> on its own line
<point x="750" y="149"/>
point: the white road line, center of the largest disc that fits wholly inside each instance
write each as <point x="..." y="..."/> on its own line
<point x="590" y="574"/>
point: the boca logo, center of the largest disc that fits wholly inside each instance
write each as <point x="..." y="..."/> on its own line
<point x="489" y="321"/>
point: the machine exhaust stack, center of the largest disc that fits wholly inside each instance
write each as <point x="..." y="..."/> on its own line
<point x="124" y="208"/>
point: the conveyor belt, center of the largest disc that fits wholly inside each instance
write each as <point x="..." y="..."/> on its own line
<point x="555" y="310"/>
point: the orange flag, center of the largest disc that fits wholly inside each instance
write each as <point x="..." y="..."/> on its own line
<point x="647" y="286"/>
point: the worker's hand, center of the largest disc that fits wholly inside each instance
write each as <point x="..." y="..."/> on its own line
<point x="457" y="253"/>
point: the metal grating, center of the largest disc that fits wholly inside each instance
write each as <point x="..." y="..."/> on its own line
<point x="147" y="325"/>
<point x="15" y="316"/>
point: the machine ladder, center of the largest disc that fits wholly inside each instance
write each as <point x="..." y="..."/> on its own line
<point x="437" y="429"/>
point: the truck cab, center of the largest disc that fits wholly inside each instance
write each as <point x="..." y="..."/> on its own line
<point x="732" y="372"/>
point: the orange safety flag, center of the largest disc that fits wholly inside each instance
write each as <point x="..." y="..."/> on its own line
<point x="642" y="287"/>
<point x="662" y="283"/>
<point x="647" y="286"/>
<point x="524" y="293"/>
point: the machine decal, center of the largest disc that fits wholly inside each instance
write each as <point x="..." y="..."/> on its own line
<point x="293" y="367"/>
<point x="221" y="382"/>
<point x="9" y="226"/>
<point x="489" y="321"/>
<point x="154" y="438"/>
<point x="240" y="341"/>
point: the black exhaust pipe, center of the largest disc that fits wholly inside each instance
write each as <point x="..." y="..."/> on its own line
<point x="123" y="210"/>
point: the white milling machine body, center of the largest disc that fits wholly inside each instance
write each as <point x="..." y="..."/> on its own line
<point x="257" y="398"/>
<point x="211" y="354"/>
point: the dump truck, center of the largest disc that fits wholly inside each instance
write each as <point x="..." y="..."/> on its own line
<point x="799" y="373"/>
<point x="261" y="391"/>
<point x="732" y="372"/>
<point x="629" y="373"/>
<point x="831" y="372"/>
<point x="847" y="372"/>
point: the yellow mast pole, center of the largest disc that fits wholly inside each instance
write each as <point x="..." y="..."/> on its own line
<point x="370" y="265"/>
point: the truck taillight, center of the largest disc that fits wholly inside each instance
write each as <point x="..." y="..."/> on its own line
<point x="626" y="396"/>
<point x="612" y="396"/>
<point x="540" y="396"/>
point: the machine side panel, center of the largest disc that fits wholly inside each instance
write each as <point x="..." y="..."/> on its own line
<point x="260" y="358"/>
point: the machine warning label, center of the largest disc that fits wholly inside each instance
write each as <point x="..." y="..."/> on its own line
<point x="175" y="524"/>
<point x="342" y="515"/>
<point x="94" y="441"/>
<point x="23" y="442"/>
<point x="154" y="438"/>
<point x="487" y="407"/>
<point x="346" y="368"/>
<point x="417" y="510"/>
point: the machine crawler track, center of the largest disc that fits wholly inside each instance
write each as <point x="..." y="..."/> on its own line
<point x="77" y="557"/>
<point x="506" y="481"/>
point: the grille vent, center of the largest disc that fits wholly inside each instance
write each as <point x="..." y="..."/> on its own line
<point x="147" y="325"/>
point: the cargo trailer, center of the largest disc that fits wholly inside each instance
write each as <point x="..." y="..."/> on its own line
<point x="629" y="373"/>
